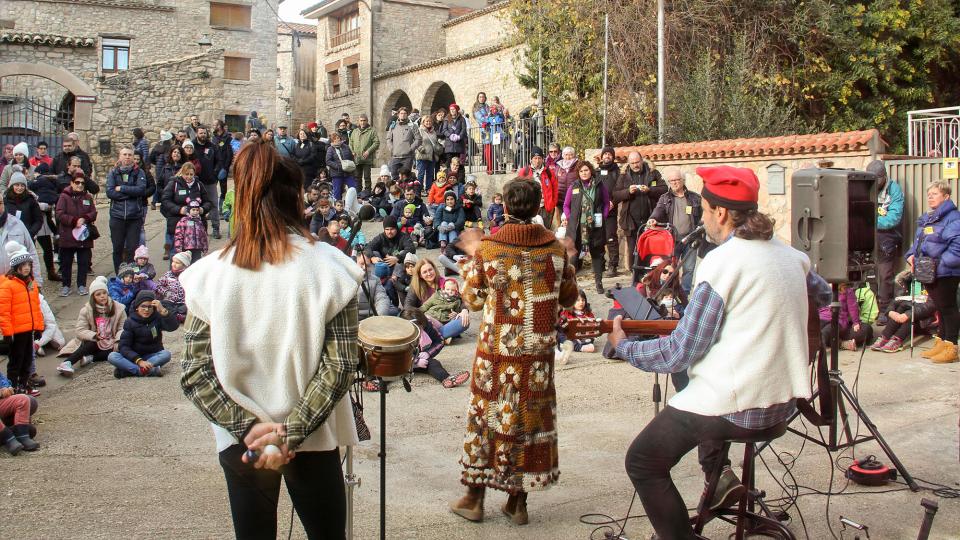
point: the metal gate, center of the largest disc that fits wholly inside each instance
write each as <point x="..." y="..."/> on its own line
<point x="914" y="176"/>
<point x="29" y="119"/>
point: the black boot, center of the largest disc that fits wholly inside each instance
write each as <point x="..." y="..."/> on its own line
<point x="598" y="265"/>
<point x="9" y="441"/>
<point x="22" y="432"/>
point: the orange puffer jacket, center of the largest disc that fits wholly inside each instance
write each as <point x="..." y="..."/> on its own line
<point x="19" y="306"/>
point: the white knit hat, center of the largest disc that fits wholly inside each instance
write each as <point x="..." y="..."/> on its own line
<point x="385" y="170"/>
<point x="99" y="284"/>
<point x="18" y="178"/>
<point x="22" y="148"/>
<point x="142" y="252"/>
<point x="165" y="135"/>
<point x="17" y="253"/>
<point x="184" y="257"/>
<point x="187" y="143"/>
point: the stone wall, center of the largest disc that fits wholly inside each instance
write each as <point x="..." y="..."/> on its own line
<point x="158" y="30"/>
<point x="402" y="38"/>
<point x="82" y="62"/>
<point x="479" y="29"/>
<point x="172" y="91"/>
<point x="329" y="105"/>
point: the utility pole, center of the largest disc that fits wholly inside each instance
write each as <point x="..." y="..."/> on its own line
<point x="606" y="59"/>
<point x="661" y="61"/>
<point x="540" y="116"/>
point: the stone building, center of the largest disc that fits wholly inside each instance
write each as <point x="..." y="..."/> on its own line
<point x="377" y="55"/>
<point x="296" y="74"/>
<point x="103" y="67"/>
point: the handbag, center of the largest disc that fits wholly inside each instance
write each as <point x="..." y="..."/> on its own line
<point x="346" y="164"/>
<point x="94" y="232"/>
<point x="924" y="267"/>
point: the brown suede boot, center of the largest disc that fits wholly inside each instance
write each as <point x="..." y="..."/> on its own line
<point x="166" y="252"/>
<point x="947" y="354"/>
<point x="932" y="351"/>
<point x="516" y="509"/>
<point x="470" y="506"/>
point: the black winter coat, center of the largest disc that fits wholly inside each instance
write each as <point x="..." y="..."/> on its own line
<point x="209" y="161"/>
<point x="26" y="208"/>
<point x="177" y="195"/>
<point x="224" y="151"/>
<point x="62" y="160"/>
<point x="398" y="246"/>
<point x="637" y="206"/>
<point x="307" y="156"/>
<point x="610" y="181"/>
<point x="450" y="127"/>
<point x="143" y="337"/>
<point x="46" y="189"/>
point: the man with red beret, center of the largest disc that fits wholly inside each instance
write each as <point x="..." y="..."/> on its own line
<point x="742" y="341"/>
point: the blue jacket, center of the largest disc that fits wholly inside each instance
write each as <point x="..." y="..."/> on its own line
<point x="456" y="217"/>
<point x="144" y="337"/>
<point x="122" y="293"/>
<point x="940" y="231"/>
<point x="5" y="382"/>
<point x="333" y="161"/>
<point x="892" y="203"/>
<point x="128" y="202"/>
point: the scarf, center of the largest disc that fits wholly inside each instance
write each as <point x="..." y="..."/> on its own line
<point x="565" y="164"/>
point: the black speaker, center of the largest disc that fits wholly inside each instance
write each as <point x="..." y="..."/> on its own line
<point x="834" y="221"/>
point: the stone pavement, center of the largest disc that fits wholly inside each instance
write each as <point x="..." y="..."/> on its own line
<point x="133" y="458"/>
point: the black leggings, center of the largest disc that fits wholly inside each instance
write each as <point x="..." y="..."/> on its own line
<point x="315" y="484"/>
<point x="83" y="256"/>
<point x="902" y="330"/>
<point x="91" y="348"/>
<point x="435" y="369"/>
<point x="666" y="439"/>
<point x="943" y="291"/>
<point x="46" y="242"/>
<point x="861" y="337"/>
<point x="125" y="237"/>
<point x="20" y="356"/>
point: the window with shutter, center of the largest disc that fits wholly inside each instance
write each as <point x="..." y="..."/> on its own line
<point x="230" y="15"/>
<point x="236" y="68"/>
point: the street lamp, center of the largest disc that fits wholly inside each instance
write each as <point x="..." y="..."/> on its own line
<point x="205" y="41"/>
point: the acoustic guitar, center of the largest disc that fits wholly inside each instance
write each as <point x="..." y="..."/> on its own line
<point x="591" y="328"/>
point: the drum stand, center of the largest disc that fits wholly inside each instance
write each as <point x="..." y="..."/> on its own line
<point x="384" y="384"/>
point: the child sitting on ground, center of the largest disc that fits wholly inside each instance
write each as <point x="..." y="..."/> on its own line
<point x="495" y="214"/>
<point x="191" y="234"/>
<point x="897" y="329"/>
<point x="98" y="327"/>
<point x="380" y="200"/>
<point x="359" y="240"/>
<point x="437" y="195"/>
<point x="445" y="304"/>
<point x="169" y="291"/>
<point x="122" y="288"/>
<point x="449" y="219"/>
<point x="141" y="352"/>
<point x="16" y="408"/>
<point x="472" y="206"/>
<point x="431" y="343"/>
<point x="20" y="315"/>
<point x="580" y="310"/>
<point x="144" y="272"/>
<point x="410" y="224"/>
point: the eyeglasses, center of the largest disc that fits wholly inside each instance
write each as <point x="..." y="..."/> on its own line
<point x="553" y="151"/>
<point x="77" y="182"/>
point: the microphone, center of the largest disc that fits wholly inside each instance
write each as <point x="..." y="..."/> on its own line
<point x="694" y="234"/>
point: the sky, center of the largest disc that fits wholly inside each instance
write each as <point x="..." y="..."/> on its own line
<point x="290" y="10"/>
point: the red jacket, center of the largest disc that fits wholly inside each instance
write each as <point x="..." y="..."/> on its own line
<point x="549" y="186"/>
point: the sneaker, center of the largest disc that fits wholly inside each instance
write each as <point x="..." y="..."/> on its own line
<point x="729" y="490"/>
<point x="155" y="372"/>
<point x="32" y="391"/>
<point x="86" y="360"/>
<point x="879" y="343"/>
<point x="66" y="368"/>
<point x="120" y="374"/>
<point x="216" y="235"/>
<point x="82" y="291"/>
<point x="566" y="349"/>
<point x="892" y="345"/>
<point x="65" y="291"/>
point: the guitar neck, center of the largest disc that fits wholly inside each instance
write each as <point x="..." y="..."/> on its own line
<point x="659" y="328"/>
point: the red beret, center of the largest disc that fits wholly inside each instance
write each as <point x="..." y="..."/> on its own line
<point x="735" y="188"/>
<point x="311" y="125"/>
<point x="454" y="106"/>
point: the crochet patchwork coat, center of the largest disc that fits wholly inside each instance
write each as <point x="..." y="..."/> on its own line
<point x="518" y="277"/>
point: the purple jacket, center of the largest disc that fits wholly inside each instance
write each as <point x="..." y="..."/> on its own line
<point x="849" y="309"/>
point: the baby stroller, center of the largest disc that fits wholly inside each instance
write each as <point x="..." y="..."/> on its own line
<point x="656" y="241"/>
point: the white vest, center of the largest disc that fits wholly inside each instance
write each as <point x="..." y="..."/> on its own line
<point x="267" y="330"/>
<point x="760" y="357"/>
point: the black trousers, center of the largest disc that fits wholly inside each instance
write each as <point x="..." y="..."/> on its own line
<point x="435" y="369"/>
<point x="902" y="330"/>
<point x="91" y="348"/>
<point x="863" y="336"/>
<point x="125" y="237"/>
<point x="943" y="291"/>
<point x="20" y="356"/>
<point x="886" y="270"/>
<point x="363" y="177"/>
<point x="83" y="265"/>
<point x="315" y="484"/>
<point x="660" y="446"/>
<point x="46" y="243"/>
<point x="613" y="239"/>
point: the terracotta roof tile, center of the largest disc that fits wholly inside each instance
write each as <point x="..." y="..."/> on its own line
<point x="848" y="141"/>
<point x="34" y="38"/>
<point x="283" y="27"/>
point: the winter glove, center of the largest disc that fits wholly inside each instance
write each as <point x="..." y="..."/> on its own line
<point x="44" y="207"/>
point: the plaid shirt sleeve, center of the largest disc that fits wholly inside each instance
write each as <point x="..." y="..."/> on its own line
<point x="695" y="333"/>
<point x="201" y="386"/>
<point x="332" y="379"/>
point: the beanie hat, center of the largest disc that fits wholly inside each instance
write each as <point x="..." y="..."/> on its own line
<point x="187" y="143"/>
<point x="390" y="222"/>
<point x="165" y="135"/>
<point x="142" y="297"/>
<point x="18" y="178"/>
<point x="17" y="254"/>
<point x="125" y="268"/>
<point x="142" y="252"/>
<point x="454" y="106"/>
<point x="99" y="284"/>
<point x="184" y="258"/>
<point x="385" y="170"/>
<point x="735" y="188"/>
<point x="381" y="270"/>
<point x="441" y="174"/>
<point x="22" y="148"/>
<point x="410" y="207"/>
<point x="878" y="168"/>
<point x="41" y="169"/>
<point x="449" y="193"/>
<point x="536" y="151"/>
<point x="411" y="258"/>
<point x="194" y="204"/>
<point x="610" y="150"/>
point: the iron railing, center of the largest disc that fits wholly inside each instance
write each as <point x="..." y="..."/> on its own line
<point x="346" y="37"/>
<point x="504" y="148"/>
<point x="31" y="120"/>
<point x="934" y="133"/>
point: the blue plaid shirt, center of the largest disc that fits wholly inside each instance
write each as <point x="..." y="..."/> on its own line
<point x="695" y="334"/>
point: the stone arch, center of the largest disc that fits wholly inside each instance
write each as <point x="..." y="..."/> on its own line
<point x="85" y="95"/>
<point x="397" y="98"/>
<point x="439" y="95"/>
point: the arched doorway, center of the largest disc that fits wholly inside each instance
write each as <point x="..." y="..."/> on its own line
<point x="396" y="99"/>
<point x="439" y="95"/>
<point x="84" y="95"/>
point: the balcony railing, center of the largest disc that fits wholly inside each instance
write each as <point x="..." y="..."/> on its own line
<point x="934" y="132"/>
<point x="346" y="37"/>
